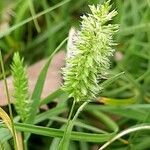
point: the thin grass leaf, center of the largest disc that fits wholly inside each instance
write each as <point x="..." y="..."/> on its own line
<point x="16" y="144"/>
<point x="36" y="95"/>
<point x="4" y="33"/>
<point x="112" y="125"/>
<point x="6" y="119"/>
<point x="143" y="27"/>
<point x="64" y="143"/>
<point x="127" y="131"/>
<point x="51" y="132"/>
<point x="5" y="134"/>
<point x="136" y="112"/>
<point x="52" y="97"/>
<point x="49" y="113"/>
<point x="32" y="10"/>
<point x="79" y="123"/>
<point x="9" y="125"/>
<point x="117" y="102"/>
<point x="45" y="35"/>
<point x="112" y="79"/>
<point x="5" y="146"/>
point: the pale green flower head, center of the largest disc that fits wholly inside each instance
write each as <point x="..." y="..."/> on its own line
<point x="20" y="83"/>
<point x="88" y="55"/>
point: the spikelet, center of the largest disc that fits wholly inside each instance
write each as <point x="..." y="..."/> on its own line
<point x="87" y="60"/>
<point x="20" y="83"/>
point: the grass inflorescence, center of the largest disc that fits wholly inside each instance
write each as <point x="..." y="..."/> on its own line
<point x="120" y="106"/>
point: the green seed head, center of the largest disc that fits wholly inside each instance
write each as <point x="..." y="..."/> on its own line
<point x="20" y="82"/>
<point x="88" y="55"/>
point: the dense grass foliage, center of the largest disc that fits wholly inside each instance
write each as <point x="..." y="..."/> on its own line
<point x="38" y="29"/>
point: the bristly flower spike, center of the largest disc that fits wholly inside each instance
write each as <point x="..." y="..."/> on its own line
<point x="20" y="82"/>
<point x="88" y="55"/>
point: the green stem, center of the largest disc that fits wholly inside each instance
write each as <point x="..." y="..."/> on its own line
<point x="67" y="126"/>
<point x="8" y="100"/>
<point x="71" y="111"/>
<point x="69" y="118"/>
<point x="25" y="144"/>
<point x="125" y="132"/>
<point x="79" y="110"/>
<point x="32" y="10"/>
<point x="64" y="143"/>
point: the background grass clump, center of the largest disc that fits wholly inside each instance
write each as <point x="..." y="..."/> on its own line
<point x="37" y="30"/>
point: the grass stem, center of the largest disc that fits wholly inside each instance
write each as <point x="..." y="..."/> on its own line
<point x="67" y="125"/>
<point x="9" y="102"/>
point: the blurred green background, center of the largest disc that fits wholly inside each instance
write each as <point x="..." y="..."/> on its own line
<point x="36" y="27"/>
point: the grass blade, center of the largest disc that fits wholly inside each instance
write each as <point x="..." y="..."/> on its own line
<point x="4" y="33"/>
<point x="6" y="119"/>
<point x="51" y="132"/>
<point x="51" y="97"/>
<point x="3" y="114"/>
<point x="32" y="10"/>
<point x="64" y="143"/>
<point x="130" y="130"/>
<point x="36" y="96"/>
